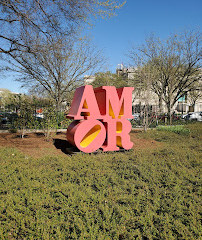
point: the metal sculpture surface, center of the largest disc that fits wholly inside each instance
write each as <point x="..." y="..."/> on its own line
<point x="101" y="118"/>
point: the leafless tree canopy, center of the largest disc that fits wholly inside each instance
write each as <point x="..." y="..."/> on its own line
<point x="57" y="68"/>
<point x="174" y="65"/>
<point x="39" y="39"/>
<point x="46" y="18"/>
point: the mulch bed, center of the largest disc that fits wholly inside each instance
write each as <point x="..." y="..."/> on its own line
<point x="35" y="144"/>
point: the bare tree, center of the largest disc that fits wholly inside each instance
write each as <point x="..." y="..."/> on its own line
<point x="142" y="83"/>
<point x="40" y="40"/>
<point x="195" y="94"/>
<point x="56" y="67"/>
<point x="175" y="65"/>
<point x="46" y="18"/>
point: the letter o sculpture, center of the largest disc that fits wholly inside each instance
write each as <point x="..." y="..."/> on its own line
<point x="88" y="136"/>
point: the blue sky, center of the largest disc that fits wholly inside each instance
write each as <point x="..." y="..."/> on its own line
<point x="133" y="23"/>
<point x="138" y="19"/>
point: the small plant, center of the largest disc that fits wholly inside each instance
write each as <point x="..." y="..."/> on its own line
<point x="179" y="129"/>
<point x="25" y="117"/>
<point x="13" y="130"/>
<point x="50" y="121"/>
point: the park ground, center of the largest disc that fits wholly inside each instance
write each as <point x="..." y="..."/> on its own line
<point x="35" y="144"/>
<point x="150" y="192"/>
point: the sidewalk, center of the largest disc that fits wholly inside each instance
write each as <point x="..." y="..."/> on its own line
<point x="58" y="130"/>
<point x="32" y="130"/>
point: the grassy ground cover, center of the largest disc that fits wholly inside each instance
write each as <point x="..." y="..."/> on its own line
<point x="144" y="194"/>
<point x="179" y="129"/>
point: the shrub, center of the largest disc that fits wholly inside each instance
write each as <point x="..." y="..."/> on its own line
<point x="144" y="194"/>
<point x="13" y="130"/>
<point x="50" y="121"/>
<point x="25" y="115"/>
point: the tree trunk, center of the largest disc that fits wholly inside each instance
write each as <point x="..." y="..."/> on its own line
<point x="169" y="112"/>
<point x="160" y="104"/>
<point x="23" y="132"/>
<point x="144" y="120"/>
<point x="57" y="111"/>
<point x="193" y="105"/>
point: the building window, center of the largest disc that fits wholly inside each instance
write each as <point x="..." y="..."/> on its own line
<point x="183" y="98"/>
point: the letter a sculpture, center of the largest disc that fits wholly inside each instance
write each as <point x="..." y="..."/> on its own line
<point x="101" y="118"/>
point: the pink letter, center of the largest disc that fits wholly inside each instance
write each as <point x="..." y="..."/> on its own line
<point x="84" y="104"/>
<point x="86" y="135"/>
<point x="118" y="135"/>
<point x="114" y="103"/>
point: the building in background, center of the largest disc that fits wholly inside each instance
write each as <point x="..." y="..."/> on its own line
<point x="5" y="94"/>
<point x="88" y="79"/>
<point x="183" y="105"/>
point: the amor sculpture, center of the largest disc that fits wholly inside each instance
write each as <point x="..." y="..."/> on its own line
<point x="101" y="118"/>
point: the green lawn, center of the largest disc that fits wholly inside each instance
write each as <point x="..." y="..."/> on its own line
<point x="148" y="194"/>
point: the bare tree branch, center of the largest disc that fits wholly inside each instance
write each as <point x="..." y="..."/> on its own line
<point x="175" y="65"/>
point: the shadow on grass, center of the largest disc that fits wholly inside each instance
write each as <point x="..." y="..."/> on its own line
<point x="69" y="149"/>
<point x="65" y="146"/>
